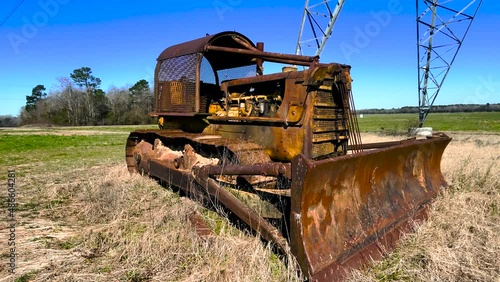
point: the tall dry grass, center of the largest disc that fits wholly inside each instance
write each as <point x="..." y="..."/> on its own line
<point x="101" y="224"/>
<point x="110" y="226"/>
<point x="461" y="239"/>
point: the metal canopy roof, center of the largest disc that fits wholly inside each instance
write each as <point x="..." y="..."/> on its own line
<point x="219" y="60"/>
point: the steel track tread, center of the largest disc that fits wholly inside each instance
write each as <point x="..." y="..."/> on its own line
<point x="246" y="152"/>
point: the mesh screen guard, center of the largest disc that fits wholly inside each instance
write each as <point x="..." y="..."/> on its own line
<point x="177" y="82"/>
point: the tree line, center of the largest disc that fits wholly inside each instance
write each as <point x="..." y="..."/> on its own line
<point x="78" y="100"/>
<point x="456" y="108"/>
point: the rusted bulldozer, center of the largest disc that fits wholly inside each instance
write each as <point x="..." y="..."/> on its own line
<point x="283" y="152"/>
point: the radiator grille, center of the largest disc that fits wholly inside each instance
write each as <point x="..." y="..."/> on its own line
<point x="177" y="96"/>
<point x="329" y="130"/>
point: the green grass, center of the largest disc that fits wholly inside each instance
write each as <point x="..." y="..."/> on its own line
<point x="26" y="277"/>
<point x="27" y="150"/>
<point x="55" y="129"/>
<point x="399" y="123"/>
<point x="109" y="128"/>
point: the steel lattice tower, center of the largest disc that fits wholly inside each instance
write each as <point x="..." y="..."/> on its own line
<point x="441" y="28"/>
<point x="321" y="18"/>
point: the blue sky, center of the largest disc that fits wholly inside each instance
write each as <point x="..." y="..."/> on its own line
<point x="120" y="40"/>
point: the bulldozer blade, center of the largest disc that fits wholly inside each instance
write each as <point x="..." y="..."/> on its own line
<point x="350" y="210"/>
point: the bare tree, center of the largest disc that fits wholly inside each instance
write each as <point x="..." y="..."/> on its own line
<point x="83" y="77"/>
<point x="119" y="100"/>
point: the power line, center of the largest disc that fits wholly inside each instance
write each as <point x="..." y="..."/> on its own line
<point x="11" y="12"/>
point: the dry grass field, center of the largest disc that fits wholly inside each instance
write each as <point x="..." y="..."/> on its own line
<point x="461" y="239"/>
<point x="82" y="217"/>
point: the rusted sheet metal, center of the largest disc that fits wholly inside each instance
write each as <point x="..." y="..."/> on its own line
<point x="378" y="145"/>
<point x="177" y="178"/>
<point x="297" y="76"/>
<point x="129" y="153"/>
<point x="348" y="210"/>
<point x="268" y="56"/>
<point x="200" y="225"/>
<point x="230" y="43"/>
<point x="268" y="169"/>
<point x="247" y="120"/>
<point x="217" y="60"/>
<point x="198" y="45"/>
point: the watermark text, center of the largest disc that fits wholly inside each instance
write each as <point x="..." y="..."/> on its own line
<point x="364" y="36"/>
<point x="39" y="19"/>
<point x="11" y="220"/>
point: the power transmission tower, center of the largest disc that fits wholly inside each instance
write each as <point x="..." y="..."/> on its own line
<point x="441" y="29"/>
<point x="320" y="17"/>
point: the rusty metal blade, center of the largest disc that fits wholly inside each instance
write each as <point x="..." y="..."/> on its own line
<point x="349" y="210"/>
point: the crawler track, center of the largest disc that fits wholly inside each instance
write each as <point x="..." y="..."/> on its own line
<point x="235" y="192"/>
<point x="231" y="151"/>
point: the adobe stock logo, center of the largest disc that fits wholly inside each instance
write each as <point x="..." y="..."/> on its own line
<point x="223" y="6"/>
<point x="372" y="29"/>
<point x="48" y="9"/>
<point x="486" y="89"/>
